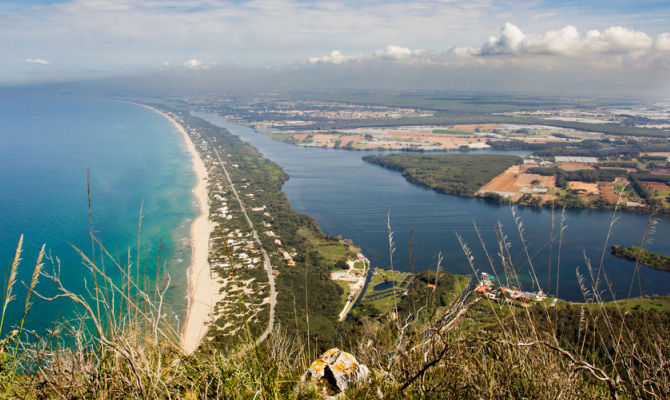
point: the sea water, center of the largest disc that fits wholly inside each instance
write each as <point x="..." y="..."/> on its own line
<point x="138" y="165"/>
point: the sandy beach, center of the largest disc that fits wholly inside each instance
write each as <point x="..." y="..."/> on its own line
<point x="203" y="288"/>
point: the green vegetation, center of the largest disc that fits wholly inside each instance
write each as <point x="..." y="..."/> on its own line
<point x="384" y="275"/>
<point x="645" y="303"/>
<point x="381" y="301"/>
<point x="413" y="292"/>
<point x="432" y="292"/>
<point x="652" y="200"/>
<point x="455" y="174"/>
<point x="583" y="175"/>
<point x="442" y="342"/>
<point x="657" y="261"/>
<point x="572" y="331"/>
<point x="331" y="251"/>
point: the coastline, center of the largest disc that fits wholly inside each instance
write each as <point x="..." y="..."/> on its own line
<point x="203" y="290"/>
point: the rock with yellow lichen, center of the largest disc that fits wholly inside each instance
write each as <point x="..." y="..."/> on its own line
<point x="334" y="371"/>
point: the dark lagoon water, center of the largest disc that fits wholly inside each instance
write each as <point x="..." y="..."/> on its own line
<point x="136" y="159"/>
<point x="350" y="197"/>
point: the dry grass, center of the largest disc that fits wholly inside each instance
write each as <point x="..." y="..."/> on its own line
<point x="565" y="166"/>
<point x="504" y="182"/>
<point x="606" y="190"/>
<point x="657" y="185"/>
<point x="476" y="349"/>
<point x="589" y="188"/>
<point x="527" y="179"/>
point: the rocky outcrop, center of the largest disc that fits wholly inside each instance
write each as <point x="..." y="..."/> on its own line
<point x="334" y="372"/>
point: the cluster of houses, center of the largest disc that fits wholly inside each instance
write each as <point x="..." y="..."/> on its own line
<point x="487" y="288"/>
<point x="241" y="243"/>
<point x="338" y="111"/>
<point x="355" y="278"/>
<point x="244" y="250"/>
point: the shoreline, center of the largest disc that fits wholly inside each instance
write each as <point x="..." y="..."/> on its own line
<point x="203" y="290"/>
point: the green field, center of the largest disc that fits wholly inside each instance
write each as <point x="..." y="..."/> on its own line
<point x="384" y="275"/>
<point x="386" y="302"/>
<point x="412" y="291"/>
<point x="330" y="251"/>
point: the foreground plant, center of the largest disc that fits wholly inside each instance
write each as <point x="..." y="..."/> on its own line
<point x="121" y="345"/>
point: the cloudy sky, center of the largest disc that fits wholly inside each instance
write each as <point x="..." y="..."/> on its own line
<point x="622" y="43"/>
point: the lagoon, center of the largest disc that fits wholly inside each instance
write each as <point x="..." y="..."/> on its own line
<point x="352" y="198"/>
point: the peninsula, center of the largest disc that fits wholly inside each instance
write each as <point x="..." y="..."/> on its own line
<point x="602" y="180"/>
<point x="637" y="254"/>
<point x="255" y="261"/>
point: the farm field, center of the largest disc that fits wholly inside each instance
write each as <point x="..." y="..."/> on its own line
<point x="515" y="182"/>
<point x="574" y="166"/>
<point x="606" y="190"/>
<point x="416" y="137"/>
<point x="588" y="188"/>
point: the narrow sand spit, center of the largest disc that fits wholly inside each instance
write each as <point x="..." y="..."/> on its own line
<point x="203" y="288"/>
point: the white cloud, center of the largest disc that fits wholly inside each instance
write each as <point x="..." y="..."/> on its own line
<point x="393" y="52"/>
<point x="562" y="48"/>
<point x="509" y="41"/>
<point x="616" y="40"/>
<point x="193" y="64"/>
<point x="335" y="57"/>
<point x="662" y="42"/>
<point x="390" y="53"/>
<point x="566" y="42"/>
<point x="40" y="61"/>
<point x="89" y="40"/>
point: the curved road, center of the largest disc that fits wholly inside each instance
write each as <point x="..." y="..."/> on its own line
<point x="266" y="260"/>
<point x="350" y="302"/>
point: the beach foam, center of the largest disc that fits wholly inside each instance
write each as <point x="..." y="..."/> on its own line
<point x="203" y="288"/>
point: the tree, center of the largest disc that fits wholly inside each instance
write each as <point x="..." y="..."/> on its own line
<point x="341" y="264"/>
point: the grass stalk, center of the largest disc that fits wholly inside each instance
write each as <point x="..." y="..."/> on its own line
<point x="10" y="280"/>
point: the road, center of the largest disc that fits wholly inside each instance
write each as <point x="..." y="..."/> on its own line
<point x="352" y="298"/>
<point x="266" y="260"/>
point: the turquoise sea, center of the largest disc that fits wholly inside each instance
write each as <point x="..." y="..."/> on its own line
<point x="137" y="161"/>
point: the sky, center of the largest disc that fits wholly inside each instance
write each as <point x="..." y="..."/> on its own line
<point x="540" y="45"/>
